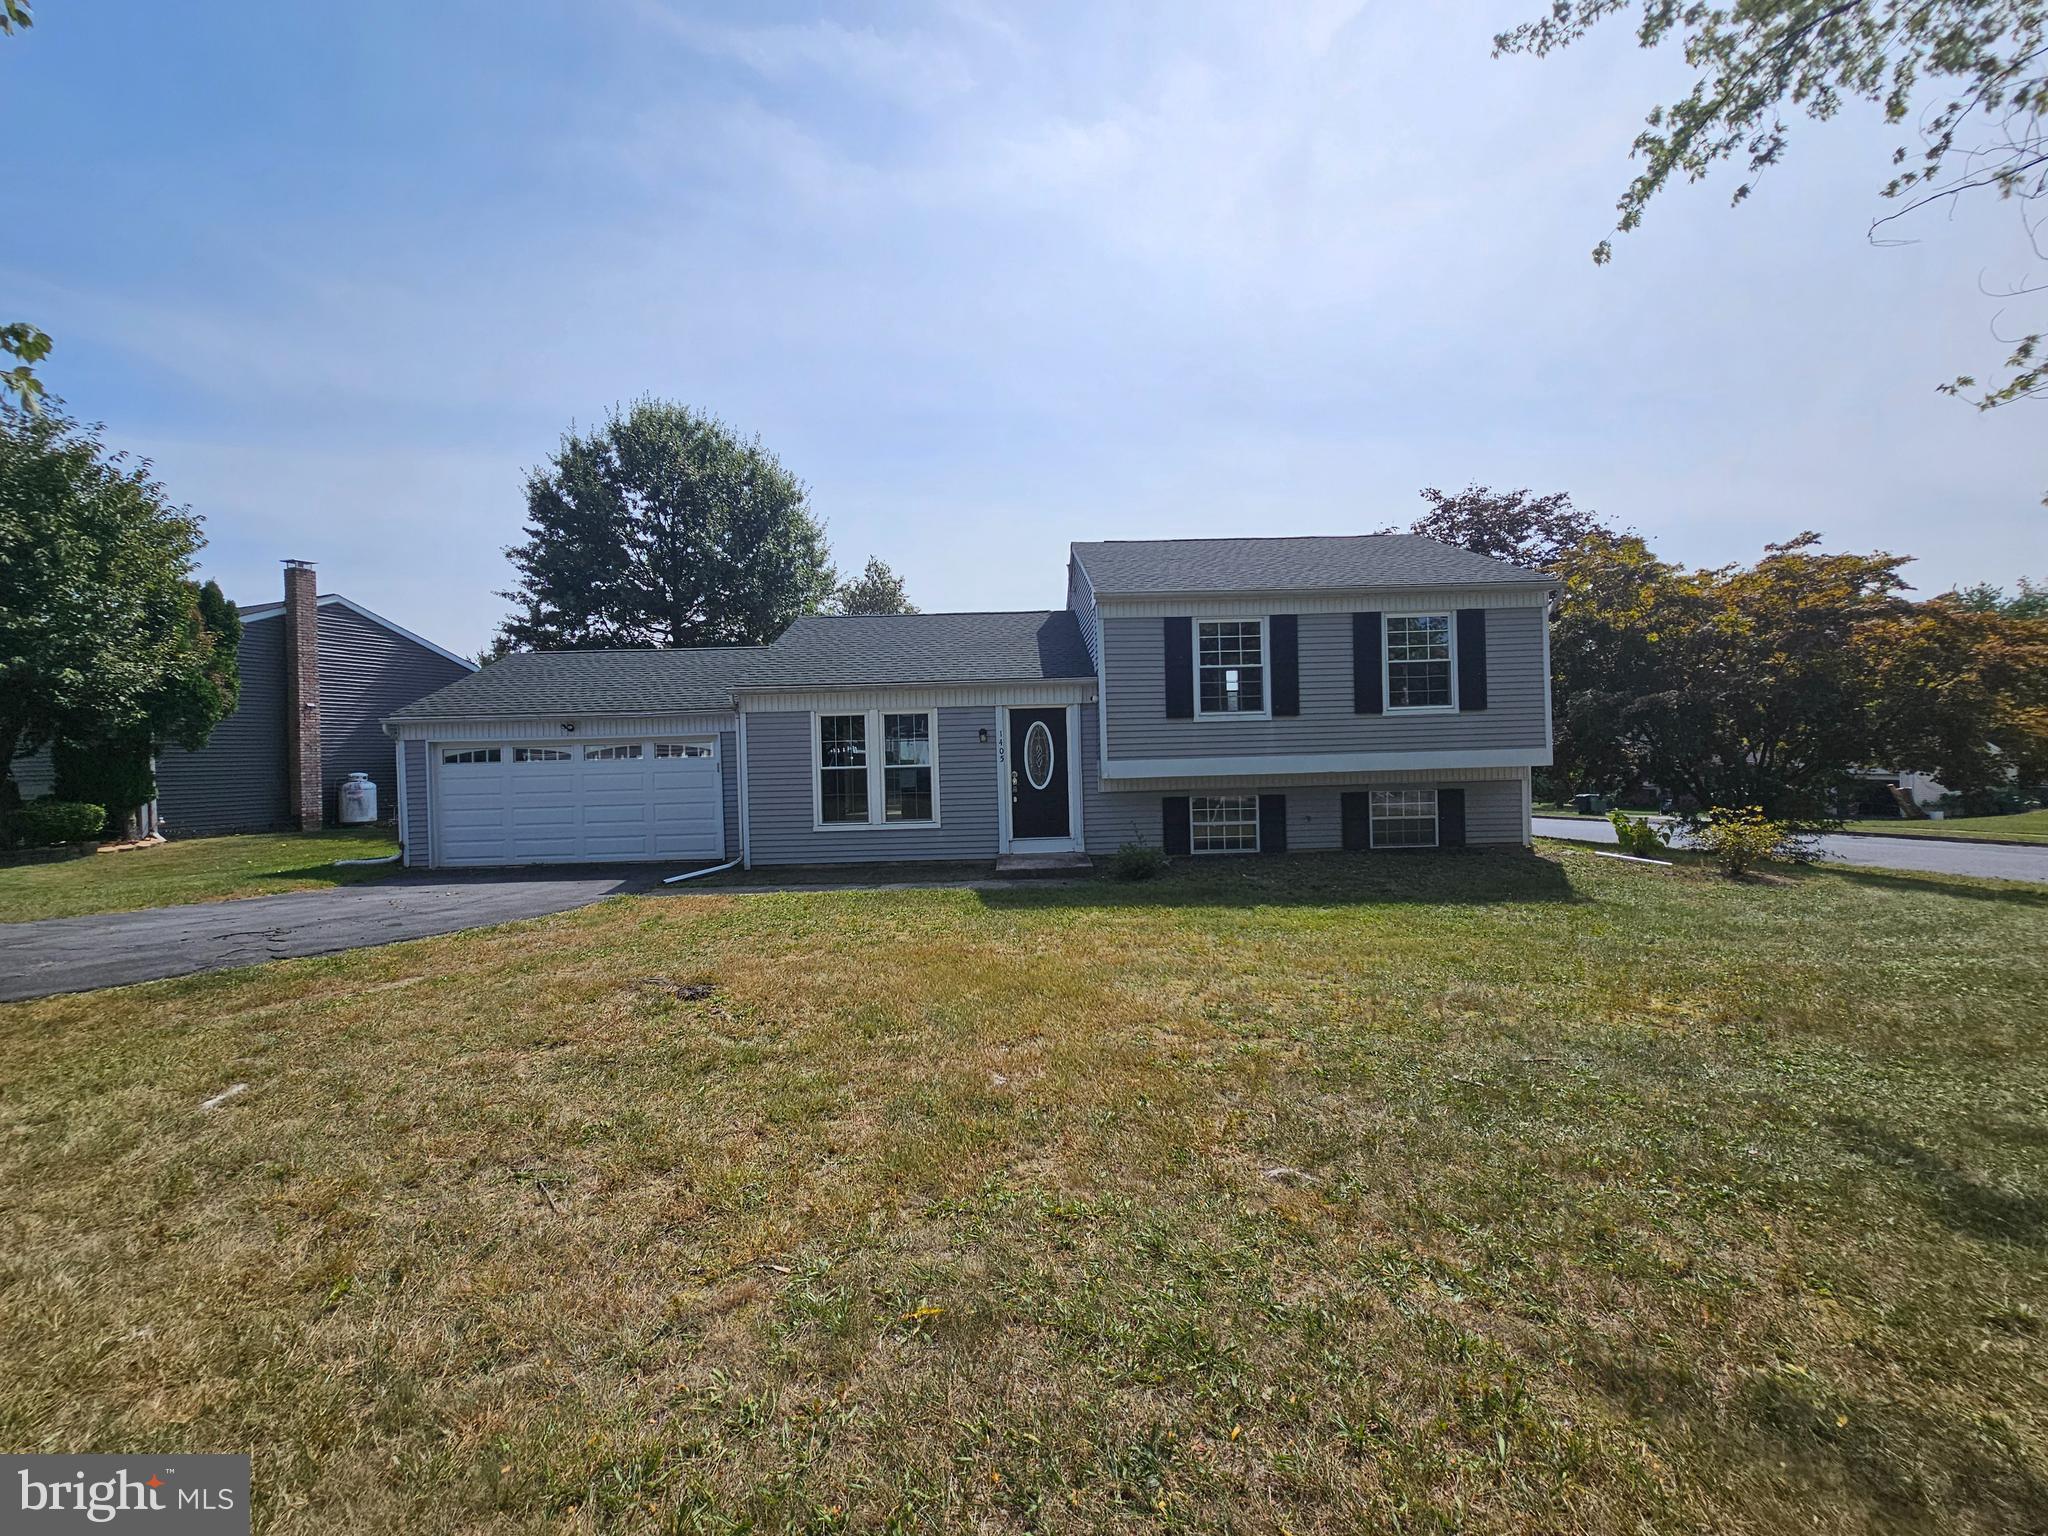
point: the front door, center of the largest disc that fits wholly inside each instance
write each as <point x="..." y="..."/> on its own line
<point x="1038" y="774"/>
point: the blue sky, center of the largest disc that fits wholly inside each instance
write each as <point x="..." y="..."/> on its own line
<point x="989" y="279"/>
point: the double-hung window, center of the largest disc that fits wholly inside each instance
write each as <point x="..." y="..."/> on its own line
<point x="1404" y="818"/>
<point x="1223" y="823"/>
<point x="842" y="769"/>
<point x="1230" y="667"/>
<point x="877" y="768"/>
<point x="1419" y="669"/>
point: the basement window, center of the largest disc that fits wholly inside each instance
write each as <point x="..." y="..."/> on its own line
<point x="1224" y="823"/>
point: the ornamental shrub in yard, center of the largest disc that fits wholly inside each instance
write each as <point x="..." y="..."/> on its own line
<point x="1638" y="836"/>
<point x="1740" y="838"/>
<point x="46" y="823"/>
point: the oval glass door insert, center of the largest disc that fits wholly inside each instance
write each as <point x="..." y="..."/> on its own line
<point x="1038" y="755"/>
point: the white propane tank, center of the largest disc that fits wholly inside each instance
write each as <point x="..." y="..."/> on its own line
<point x="358" y="800"/>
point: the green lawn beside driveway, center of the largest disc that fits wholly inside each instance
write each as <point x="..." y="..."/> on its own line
<point x="2020" y="827"/>
<point x="1482" y="1193"/>
<point x="190" y="869"/>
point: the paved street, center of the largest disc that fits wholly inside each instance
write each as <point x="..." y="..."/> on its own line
<point x="1997" y="861"/>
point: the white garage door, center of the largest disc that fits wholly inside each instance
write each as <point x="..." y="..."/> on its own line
<point x="540" y="803"/>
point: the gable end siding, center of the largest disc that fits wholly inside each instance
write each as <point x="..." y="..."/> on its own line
<point x="235" y="783"/>
<point x="366" y="673"/>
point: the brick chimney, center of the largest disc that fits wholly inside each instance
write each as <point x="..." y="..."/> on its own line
<point x="302" y="695"/>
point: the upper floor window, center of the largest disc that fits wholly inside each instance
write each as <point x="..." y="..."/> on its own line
<point x="1419" y="661"/>
<point x="1230" y="667"/>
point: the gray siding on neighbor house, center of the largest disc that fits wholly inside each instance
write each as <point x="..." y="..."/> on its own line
<point x="418" y="802"/>
<point x="1135" y="689"/>
<point x="1493" y="806"/>
<point x="366" y="673"/>
<point x="235" y="783"/>
<point x="34" y="775"/>
<point x="780" y="808"/>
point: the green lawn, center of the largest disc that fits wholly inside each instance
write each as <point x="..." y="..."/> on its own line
<point x="1485" y="1193"/>
<point x="192" y="869"/>
<point x="2020" y="827"/>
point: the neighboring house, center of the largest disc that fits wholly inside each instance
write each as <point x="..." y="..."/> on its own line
<point x="319" y="674"/>
<point x="1204" y="695"/>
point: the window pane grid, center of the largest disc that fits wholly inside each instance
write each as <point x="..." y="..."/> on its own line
<point x="1419" y="661"/>
<point x="1224" y="823"/>
<point x="843" y="768"/>
<point x="1231" y="667"/>
<point x="539" y="755"/>
<point x="1404" y="818"/>
<point x="681" y="749"/>
<point x="907" y="767"/>
<point x="611" y="754"/>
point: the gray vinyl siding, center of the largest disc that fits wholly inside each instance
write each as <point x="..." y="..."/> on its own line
<point x="1134" y="673"/>
<point x="235" y="783"/>
<point x="35" y="775"/>
<point x="729" y="788"/>
<point x="1315" y="822"/>
<point x="366" y="673"/>
<point x="418" y="802"/>
<point x="1081" y="600"/>
<point x="780" y="806"/>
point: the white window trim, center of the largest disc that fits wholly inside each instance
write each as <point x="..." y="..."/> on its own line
<point x="1265" y="712"/>
<point x="1387" y="704"/>
<point x="1257" y="830"/>
<point x="877" y="800"/>
<point x="1436" y="817"/>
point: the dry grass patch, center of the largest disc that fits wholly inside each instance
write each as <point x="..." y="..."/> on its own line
<point x="1486" y="1193"/>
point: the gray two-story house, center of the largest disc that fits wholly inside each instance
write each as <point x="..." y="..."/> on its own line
<point x="1209" y="696"/>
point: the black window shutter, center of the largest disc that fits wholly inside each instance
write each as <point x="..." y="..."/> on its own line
<point x="1180" y="671"/>
<point x="1471" y="659"/>
<point x="1174" y="832"/>
<point x="1272" y="823"/>
<point x="1284" y="631"/>
<point x="1366" y="634"/>
<point x="1357" y="810"/>
<point x="1450" y="818"/>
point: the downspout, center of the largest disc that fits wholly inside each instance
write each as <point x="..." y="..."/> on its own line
<point x="695" y="874"/>
<point x="746" y="820"/>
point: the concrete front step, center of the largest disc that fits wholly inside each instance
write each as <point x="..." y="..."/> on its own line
<point x="1042" y="866"/>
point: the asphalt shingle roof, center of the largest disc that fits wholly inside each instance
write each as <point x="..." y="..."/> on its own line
<point x="861" y="649"/>
<point x="593" y="683"/>
<point x="1134" y="567"/>
<point x="813" y="652"/>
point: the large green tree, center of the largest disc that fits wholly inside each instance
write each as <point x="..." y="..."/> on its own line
<point x="664" y="527"/>
<point x="1970" y="76"/>
<point x="1774" y="684"/>
<point x="104" y="637"/>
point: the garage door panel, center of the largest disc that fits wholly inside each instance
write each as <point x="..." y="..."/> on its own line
<point x="578" y="809"/>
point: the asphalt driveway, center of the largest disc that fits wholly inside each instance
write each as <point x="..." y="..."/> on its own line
<point x="1996" y="861"/>
<point x="113" y="949"/>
